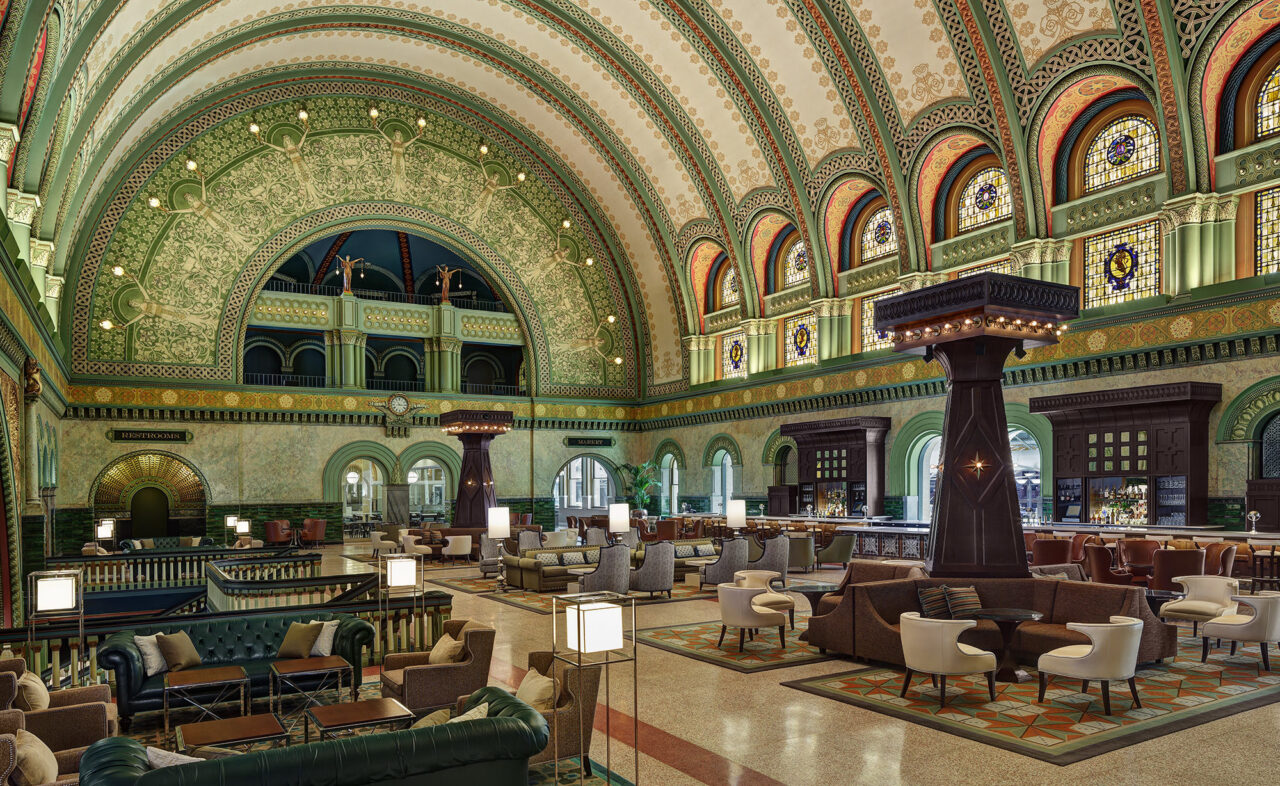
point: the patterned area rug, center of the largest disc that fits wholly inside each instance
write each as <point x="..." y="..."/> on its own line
<point x="699" y="641"/>
<point x="148" y="728"/>
<point x="1070" y="726"/>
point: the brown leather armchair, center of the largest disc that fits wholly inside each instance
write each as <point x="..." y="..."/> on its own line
<point x="1171" y="563"/>
<point x="278" y="532"/>
<point x="12" y="669"/>
<point x="831" y="624"/>
<point x="68" y="731"/>
<point x="1078" y="542"/>
<point x="1219" y="558"/>
<point x="414" y="682"/>
<point x="1137" y="550"/>
<point x="1098" y="559"/>
<point x="575" y="711"/>
<point x="313" y="530"/>
<point x="1050" y="552"/>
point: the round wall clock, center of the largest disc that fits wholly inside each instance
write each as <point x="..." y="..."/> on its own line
<point x="397" y="404"/>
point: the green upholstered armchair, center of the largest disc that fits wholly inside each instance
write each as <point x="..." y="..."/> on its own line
<point x="494" y="751"/>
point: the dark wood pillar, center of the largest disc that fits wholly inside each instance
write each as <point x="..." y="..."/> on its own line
<point x="476" y="490"/>
<point x="970" y="326"/>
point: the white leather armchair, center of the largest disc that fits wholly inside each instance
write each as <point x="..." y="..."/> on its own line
<point x="411" y="546"/>
<point x="456" y="546"/>
<point x="1207" y="597"/>
<point x="932" y="646"/>
<point x="1111" y="654"/>
<point x="1262" y="627"/>
<point x="380" y="544"/>
<point x="738" y="610"/>
<point x="769" y="599"/>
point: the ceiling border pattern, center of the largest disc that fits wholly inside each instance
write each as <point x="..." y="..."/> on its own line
<point x="1168" y="90"/>
<point x="1193" y="18"/>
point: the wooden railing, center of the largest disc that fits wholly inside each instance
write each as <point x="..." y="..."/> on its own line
<point x="152" y="568"/>
<point x="274" y="582"/>
<point x="51" y="649"/>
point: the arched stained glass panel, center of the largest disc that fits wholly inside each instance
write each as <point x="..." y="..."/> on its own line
<point x="1126" y="148"/>
<point x="1267" y="223"/>
<point x="878" y="237"/>
<point x="1269" y="105"/>
<point x="729" y="290"/>
<point x="985" y="200"/>
<point x="795" y="268"/>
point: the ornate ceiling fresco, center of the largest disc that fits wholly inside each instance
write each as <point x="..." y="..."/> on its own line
<point x="664" y="131"/>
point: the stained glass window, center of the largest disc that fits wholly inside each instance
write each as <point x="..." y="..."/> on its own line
<point x="985" y="199"/>
<point x="1268" y="231"/>
<point x="1124" y="149"/>
<point x="1122" y="265"/>
<point x="729" y="286"/>
<point x="1269" y="105"/>
<point x="871" y="339"/>
<point x="878" y="237"/>
<point x="800" y="334"/>
<point x="733" y="348"/>
<point x="999" y="266"/>
<point x="795" y="268"/>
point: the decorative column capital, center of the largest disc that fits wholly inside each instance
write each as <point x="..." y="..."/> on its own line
<point x="913" y="281"/>
<point x="53" y="286"/>
<point x="42" y="254"/>
<point x="1197" y="209"/>
<point x="760" y="327"/>
<point x="826" y="307"/>
<point x="9" y="138"/>
<point x="22" y="206"/>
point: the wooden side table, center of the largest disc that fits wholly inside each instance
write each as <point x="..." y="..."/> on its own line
<point x="330" y="718"/>
<point x="184" y="685"/>
<point x="287" y="673"/>
<point x="246" y="730"/>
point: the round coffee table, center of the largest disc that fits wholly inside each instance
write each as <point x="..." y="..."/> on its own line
<point x="813" y="592"/>
<point x="1008" y="621"/>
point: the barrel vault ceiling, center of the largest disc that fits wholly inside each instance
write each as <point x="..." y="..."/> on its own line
<point x="652" y="126"/>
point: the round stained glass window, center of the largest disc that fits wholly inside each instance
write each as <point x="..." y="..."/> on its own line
<point x="883" y="232"/>
<point x="733" y="280"/>
<point x="985" y="199"/>
<point x="801" y="260"/>
<point x="736" y="353"/>
<point x="800" y="339"/>
<point x="1121" y="149"/>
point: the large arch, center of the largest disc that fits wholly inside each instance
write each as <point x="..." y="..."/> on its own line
<point x="718" y="443"/>
<point x="332" y="475"/>
<point x="180" y="480"/>
<point x="436" y="451"/>
<point x="904" y="452"/>
<point x="669" y="446"/>
<point x="1244" y="417"/>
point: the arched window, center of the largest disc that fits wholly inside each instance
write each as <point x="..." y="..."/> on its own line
<point x="1271" y="449"/>
<point x="1268" y="105"/>
<point x="721" y="481"/>
<point x="984" y="200"/>
<point x="1126" y="148"/>
<point x="729" y="290"/>
<point x="795" y="265"/>
<point x="583" y="487"/>
<point x="878" y="236"/>
<point x="363" y="490"/>
<point x="429" y="488"/>
<point x="670" y="484"/>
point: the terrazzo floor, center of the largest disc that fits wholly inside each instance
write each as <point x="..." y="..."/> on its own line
<point x="701" y="723"/>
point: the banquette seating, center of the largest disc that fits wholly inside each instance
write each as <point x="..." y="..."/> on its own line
<point x="831" y="626"/>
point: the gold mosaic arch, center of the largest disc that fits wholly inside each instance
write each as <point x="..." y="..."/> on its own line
<point x="180" y="481"/>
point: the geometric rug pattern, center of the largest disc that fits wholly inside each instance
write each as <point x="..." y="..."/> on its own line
<point x="148" y="729"/>
<point x="1069" y="726"/>
<point x="698" y="641"/>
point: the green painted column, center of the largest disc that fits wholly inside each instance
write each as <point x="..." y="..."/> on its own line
<point x="9" y="137"/>
<point x="702" y="358"/>
<point x="1043" y="260"/>
<point x="21" y="211"/>
<point x="1200" y="241"/>
<point x="826" y="314"/>
<point x="344" y="346"/>
<point x="443" y="366"/>
<point x="762" y="345"/>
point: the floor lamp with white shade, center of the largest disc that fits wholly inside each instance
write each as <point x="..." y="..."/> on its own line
<point x="499" y="521"/>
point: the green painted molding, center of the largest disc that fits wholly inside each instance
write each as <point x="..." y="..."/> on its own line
<point x="973" y="246"/>
<point x="669" y="446"/>
<point x="361" y="449"/>
<point x="718" y="443"/>
<point x="438" y="452"/>
<point x="904" y="453"/>
<point x="775" y="443"/>
<point x="1112" y="206"/>
<point x="1245" y="416"/>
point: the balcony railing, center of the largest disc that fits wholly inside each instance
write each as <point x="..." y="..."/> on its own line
<point x="285" y="380"/>
<point x="407" y="385"/>
<point x="152" y="568"/>
<point x="483" y="389"/>
<point x="327" y="290"/>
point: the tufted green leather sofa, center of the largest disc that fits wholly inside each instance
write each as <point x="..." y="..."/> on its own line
<point x="493" y="751"/>
<point x="249" y="640"/>
<point x="166" y="543"/>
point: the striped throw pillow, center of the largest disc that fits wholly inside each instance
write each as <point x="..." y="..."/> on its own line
<point x="962" y="602"/>
<point x="933" y="603"/>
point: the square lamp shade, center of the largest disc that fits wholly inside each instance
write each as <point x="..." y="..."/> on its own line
<point x="242" y="526"/>
<point x="593" y="627"/>
<point x="402" y="572"/>
<point x="106" y="529"/>
<point x="56" y="593"/>
<point x="499" y="523"/>
<point x="735" y="513"/>
<point x="619" y="517"/>
<point x="231" y="521"/>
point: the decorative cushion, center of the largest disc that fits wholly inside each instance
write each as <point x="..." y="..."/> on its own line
<point x="481" y="710"/>
<point x="592" y="556"/>
<point x="548" y="558"/>
<point x="962" y="601"/>
<point x="158" y="758"/>
<point x="1051" y="576"/>
<point x="148" y="543"/>
<point x="705" y="550"/>
<point x="36" y="763"/>
<point x="573" y="558"/>
<point x="324" y="642"/>
<point x="32" y="694"/>
<point x="299" y="640"/>
<point x="537" y="691"/>
<point x="684" y="552"/>
<point x="434" y="719"/>
<point x="446" y="650"/>
<point x="178" y="651"/>
<point x="933" y="603"/>
<point x="152" y="659"/>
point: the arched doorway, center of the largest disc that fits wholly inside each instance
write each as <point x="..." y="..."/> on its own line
<point x="364" y="490"/>
<point x="584" y="486"/>
<point x="670" y="484"/>
<point x="430" y="489"/>
<point x="721" y="480"/>
<point x="786" y="467"/>
<point x="149" y="512"/>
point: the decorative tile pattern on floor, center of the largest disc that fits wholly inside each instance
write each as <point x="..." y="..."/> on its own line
<point x="1069" y="726"/>
<point x="148" y="729"/>
<point x="472" y="585"/>
<point x="700" y="641"/>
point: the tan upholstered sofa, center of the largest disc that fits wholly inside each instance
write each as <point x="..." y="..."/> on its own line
<point x="682" y="563"/>
<point x="877" y="606"/>
<point x="534" y="573"/>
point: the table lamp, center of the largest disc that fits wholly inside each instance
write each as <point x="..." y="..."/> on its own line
<point x="735" y="514"/>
